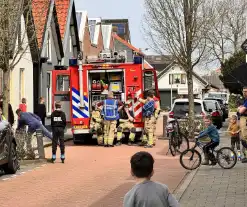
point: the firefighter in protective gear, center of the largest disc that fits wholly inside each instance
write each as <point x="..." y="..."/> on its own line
<point x="156" y="115"/>
<point x="58" y="125"/>
<point x="96" y="124"/>
<point x="110" y="113"/>
<point x="149" y="120"/>
<point x="126" y="122"/>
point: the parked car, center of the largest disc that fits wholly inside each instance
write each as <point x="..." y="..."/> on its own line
<point x="213" y="108"/>
<point x="8" y="156"/>
<point x="223" y="106"/>
<point x="180" y="109"/>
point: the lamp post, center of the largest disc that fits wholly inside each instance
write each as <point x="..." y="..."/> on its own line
<point x="177" y="81"/>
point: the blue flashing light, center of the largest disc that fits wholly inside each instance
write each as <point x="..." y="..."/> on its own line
<point x="72" y="62"/>
<point x="138" y="59"/>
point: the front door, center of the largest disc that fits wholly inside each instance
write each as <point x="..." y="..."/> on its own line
<point x="61" y="91"/>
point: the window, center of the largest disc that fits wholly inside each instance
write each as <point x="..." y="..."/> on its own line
<point x="182" y="108"/>
<point x="63" y="83"/>
<point x="177" y="78"/>
<point x="148" y="80"/>
<point x="209" y="106"/>
<point x="183" y="79"/>
<point x="149" y="83"/>
<point x="21" y="84"/>
<point x="119" y="28"/>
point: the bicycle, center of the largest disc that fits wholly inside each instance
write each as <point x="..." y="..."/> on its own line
<point x="178" y="142"/>
<point x="215" y="155"/>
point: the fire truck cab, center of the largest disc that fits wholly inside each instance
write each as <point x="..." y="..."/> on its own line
<point x="80" y="85"/>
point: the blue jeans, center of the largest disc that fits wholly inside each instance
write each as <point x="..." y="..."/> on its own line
<point x="45" y="132"/>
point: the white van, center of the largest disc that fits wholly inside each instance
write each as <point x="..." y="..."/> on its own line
<point x="221" y="95"/>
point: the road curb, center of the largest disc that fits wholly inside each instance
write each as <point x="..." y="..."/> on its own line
<point x="50" y="143"/>
<point x="183" y="185"/>
<point x="28" y="162"/>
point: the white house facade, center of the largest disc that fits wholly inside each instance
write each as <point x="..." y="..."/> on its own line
<point x="21" y="77"/>
<point x="172" y="83"/>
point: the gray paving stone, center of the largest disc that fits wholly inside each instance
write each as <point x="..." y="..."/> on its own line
<point x="214" y="186"/>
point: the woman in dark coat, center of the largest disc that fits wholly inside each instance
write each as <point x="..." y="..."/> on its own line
<point x="41" y="110"/>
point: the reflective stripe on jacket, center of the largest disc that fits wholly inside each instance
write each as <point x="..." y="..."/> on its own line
<point x="110" y="110"/>
<point x="148" y="109"/>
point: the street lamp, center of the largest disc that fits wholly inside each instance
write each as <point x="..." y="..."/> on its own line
<point x="177" y="81"/>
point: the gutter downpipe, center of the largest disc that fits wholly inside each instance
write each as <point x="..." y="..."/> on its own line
<point x="80" y="69"/>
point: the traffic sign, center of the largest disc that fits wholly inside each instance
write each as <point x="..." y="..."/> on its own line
<point x="244" y="46"/>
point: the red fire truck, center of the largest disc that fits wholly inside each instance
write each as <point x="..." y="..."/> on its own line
<point x="78" y="86"/>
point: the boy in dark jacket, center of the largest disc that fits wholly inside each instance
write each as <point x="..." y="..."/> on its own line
<point x="58" y="124"/>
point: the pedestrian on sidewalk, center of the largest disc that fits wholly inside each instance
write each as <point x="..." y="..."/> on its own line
<point x="147" y="192"/>
<point x="243" y="122"/>
<point x="58" y="125"/>
<point x="234" y="130"/>
<point x="23" y="105"/>
<point x="41" y="110"/>
<point x="213" y="134"/>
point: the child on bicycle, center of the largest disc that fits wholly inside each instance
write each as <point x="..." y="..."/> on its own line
<point x="213" y="134"/>
<point x="234" y="130"/>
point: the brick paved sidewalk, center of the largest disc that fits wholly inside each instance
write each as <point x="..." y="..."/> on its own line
<point x="214" y="186"/>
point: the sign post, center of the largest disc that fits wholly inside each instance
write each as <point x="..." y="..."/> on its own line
<point x="40" y="144"/>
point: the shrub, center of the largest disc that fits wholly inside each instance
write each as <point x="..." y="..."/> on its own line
<point x="24" y="146"/>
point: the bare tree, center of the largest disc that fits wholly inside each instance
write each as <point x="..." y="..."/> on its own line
<point x="228" y="29"/>
<point x="178" y="27"/>
<point x="15" y="39"/>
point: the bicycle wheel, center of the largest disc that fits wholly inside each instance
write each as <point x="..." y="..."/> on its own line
<point x="190" y="159"/>
<point x="183" y="143"/>
<point x="172" y="145"/>
<point x="226" y="157"/>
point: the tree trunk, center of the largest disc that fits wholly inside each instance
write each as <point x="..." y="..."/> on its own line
<point x="6" y="92"/>
<point x="5" y="65"/>
<point x="191" y="103"/>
